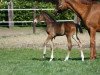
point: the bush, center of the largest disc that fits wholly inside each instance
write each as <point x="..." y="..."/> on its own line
<point x="28" y="15"/>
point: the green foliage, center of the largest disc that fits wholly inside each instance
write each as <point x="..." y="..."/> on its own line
<point x="28" y="15"/>
<point x="3" y="14"/>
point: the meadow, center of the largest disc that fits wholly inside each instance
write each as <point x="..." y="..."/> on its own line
<point x="21" y="53"/>
<point x="28" y="61"/>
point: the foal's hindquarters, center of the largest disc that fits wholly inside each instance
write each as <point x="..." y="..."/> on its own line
<point x="71" y="32"/>
<point x="67" y="28"/>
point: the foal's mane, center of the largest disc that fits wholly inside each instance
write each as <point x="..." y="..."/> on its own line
<point x="47" y="14"/>
<point x="88" y="1"/>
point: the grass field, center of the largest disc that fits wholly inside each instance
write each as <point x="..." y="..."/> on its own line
<point x="19" y="54"/>
<point x="29" y="61"/>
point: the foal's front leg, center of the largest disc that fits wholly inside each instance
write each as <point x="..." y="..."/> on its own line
<point x="44" y="51"/>
<point x="45" y="43"/>
<point x="51" y="58"/>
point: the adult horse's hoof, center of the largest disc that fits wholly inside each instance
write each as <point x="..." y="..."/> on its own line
<point x="92" y="58"/>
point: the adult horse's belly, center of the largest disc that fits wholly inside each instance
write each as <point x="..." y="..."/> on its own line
<point x="93" y="20"/>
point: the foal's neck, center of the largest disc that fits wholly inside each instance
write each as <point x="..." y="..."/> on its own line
<point x="82" y="10"/>
<point x="49" y="21"/>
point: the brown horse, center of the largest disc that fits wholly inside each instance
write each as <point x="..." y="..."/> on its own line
<point x="59" y="29"/>
<point x="89" y="12"/>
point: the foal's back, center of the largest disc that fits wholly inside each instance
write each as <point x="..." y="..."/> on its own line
<point x="65" y="28"/>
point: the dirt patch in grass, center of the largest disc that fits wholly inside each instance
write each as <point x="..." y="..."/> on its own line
<point x="23" y="37"/>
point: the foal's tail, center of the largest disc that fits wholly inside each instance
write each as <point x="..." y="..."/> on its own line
<point x="76" y="38"/>
<point x="79" y="28"/>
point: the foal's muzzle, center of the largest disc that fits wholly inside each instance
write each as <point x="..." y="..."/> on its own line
<point x="35" y="21"/>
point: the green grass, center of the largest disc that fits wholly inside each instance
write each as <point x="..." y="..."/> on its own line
<point x="30" y="62"/>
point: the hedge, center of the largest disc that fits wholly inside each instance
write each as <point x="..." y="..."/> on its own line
<point x="28" y="15"/>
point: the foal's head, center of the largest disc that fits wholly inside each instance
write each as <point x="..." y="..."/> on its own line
<point x="44" y="16"/>
<point x="39" y="17"/>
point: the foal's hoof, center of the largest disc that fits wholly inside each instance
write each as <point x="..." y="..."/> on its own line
<point x="44" y="56"/>
<point x="82" y="59"/>
<point x="66" y="60"/>
<point x="50" y="59"/>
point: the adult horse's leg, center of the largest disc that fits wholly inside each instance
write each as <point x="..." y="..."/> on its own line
<point x="75" y="37"/>
<point x="45" y="43"/>
<point x="92" y="44"/>
<point x="69" y="47"/>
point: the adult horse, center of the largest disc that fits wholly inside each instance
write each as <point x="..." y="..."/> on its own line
<point x="89" y="12"/>
<point x="55" y="29"/>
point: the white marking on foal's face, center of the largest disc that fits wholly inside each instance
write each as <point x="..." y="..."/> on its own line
<point x="35" y="20"/>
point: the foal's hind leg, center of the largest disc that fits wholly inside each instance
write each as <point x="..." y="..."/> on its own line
<point x="80" y="45"/>
<point x="75" y="37"/>
<point x="69" y="47"/>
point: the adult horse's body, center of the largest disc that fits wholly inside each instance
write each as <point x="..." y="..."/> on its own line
<point x="89" y="12"/>
<point x="59" y="29"/>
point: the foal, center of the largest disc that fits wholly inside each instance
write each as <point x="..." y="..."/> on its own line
<point x="59" y="29"/>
